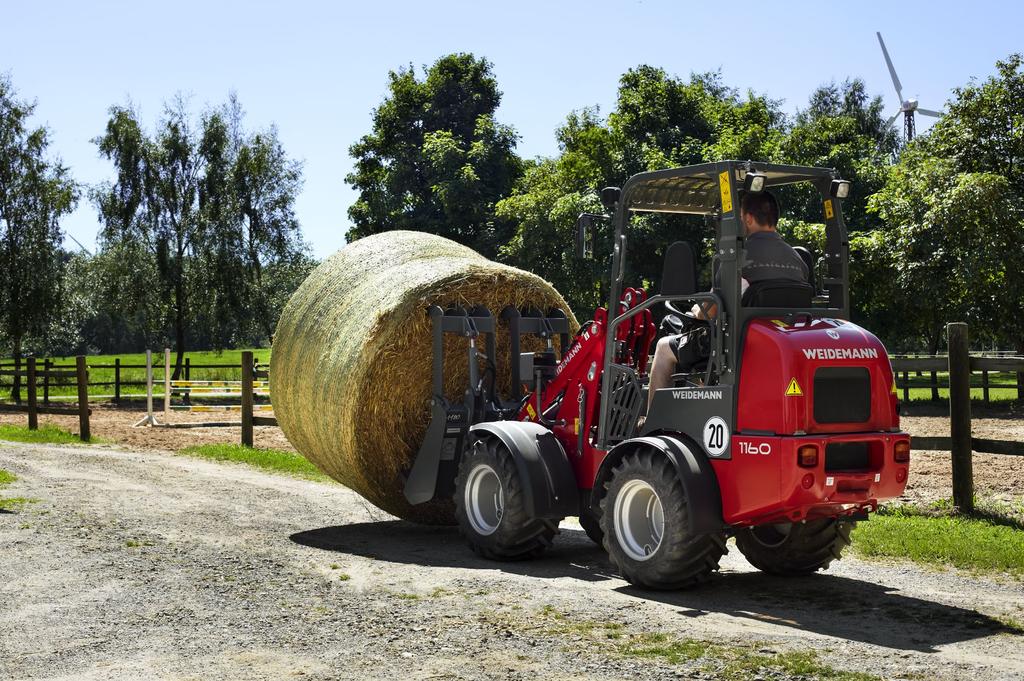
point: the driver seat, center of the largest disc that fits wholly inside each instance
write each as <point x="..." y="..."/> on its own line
<point x="785" y="293"/>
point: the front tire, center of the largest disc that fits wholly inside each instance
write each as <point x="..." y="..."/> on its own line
<point x="647" y="529"/>
<point x="490" y="509"/>
<point x="591" y="524"/>
<point x="795" y="549"/>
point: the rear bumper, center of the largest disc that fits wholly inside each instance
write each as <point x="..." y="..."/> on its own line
<point x="763" y="482"/>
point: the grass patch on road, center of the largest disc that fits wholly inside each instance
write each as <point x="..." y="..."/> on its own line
<point x="981" y="543"/>
<point x="715" y="660"/>
<point x="275" y="460"/>
<point x="736" y="663"/>
<point x="10" y="503"/>
<point x="47" y="434"/>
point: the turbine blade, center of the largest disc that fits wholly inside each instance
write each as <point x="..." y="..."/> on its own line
<point x="892" y="71"/>
<point x="929" y="112"/>
<point x="893" y="119"/>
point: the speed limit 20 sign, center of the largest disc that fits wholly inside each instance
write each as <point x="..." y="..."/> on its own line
<point x="716" y="436"/>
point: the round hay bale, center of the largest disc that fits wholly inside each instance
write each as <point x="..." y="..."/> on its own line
<point x="351" y="365"/>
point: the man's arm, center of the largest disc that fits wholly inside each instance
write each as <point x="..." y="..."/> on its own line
<point x="710" y="310"/>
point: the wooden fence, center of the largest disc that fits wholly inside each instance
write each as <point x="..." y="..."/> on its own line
<point x="31" y="376"/>
<point x="52" y="376"/>
<point x="39" y="377"/>
<point x="246" y="387"/>
<point x="923" y="371"/>
<point x="960" y="366"/>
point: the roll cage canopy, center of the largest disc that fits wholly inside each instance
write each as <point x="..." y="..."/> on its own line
<point x="697" y="190"/>
<point x="714" y="190"/>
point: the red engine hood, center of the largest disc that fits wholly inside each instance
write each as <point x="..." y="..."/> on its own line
<point x="777" y="379"/>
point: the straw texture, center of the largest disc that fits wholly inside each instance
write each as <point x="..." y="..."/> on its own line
<point x="351" y="367"/>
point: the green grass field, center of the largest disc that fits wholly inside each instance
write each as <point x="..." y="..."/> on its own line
<point x="101" y="371"/>
<point x="1002" y="386"/>
<point x="989" y="541"/>
<point x="274" y="460"/>
<point x="44" y="434"/>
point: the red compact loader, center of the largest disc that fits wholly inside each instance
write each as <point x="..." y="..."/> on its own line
<point x="783" y="435"/>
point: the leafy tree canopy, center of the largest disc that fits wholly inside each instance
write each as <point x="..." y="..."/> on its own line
<point x="953" y="219"/>
<point x="35" y="193"/>
<point x="659" y="121"/>
<point x="201" y="209"/>
<point x="437" y="160"/>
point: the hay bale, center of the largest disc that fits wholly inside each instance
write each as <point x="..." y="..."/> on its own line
<point x="351" y="367"/>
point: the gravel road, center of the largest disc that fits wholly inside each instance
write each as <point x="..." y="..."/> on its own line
<point x="148" y="565"/>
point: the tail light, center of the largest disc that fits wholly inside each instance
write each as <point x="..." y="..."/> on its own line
<point x="901" y="451"/>
<point x="807" y="456"/>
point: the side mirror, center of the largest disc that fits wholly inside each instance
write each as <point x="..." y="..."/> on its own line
<point x="679" y="274"/>
<point x="609" y="197"/>
<point x="586" y="224"/>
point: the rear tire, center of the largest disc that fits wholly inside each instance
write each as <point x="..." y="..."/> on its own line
<point x="646" y="526"/>
<point x="490" y="508"/>
<point x="794" y="549"/>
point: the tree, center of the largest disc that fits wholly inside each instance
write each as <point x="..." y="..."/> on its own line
<point x="437" y="160"/>
<point x="983" y="129"/>
<point x="206" y="208"/>
<point x="35" y="193"/>
<point x="247" y="202"/>
<point x="952" y="239"/>
<point x="841" y="128"/>
<point x="952" y="208"/>
<point x="659" y="121"/>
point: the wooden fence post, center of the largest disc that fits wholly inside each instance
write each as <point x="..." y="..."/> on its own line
<point x="984" y="384"/>
<point x="960" y="416"/>
<point x="83" y="398"/>
<point x="247" y="399"/>
<point x="33" y="416"/>
<point x="117" y="380"/>
<point x="47" y="365"/>
<point x="906" y="387"/>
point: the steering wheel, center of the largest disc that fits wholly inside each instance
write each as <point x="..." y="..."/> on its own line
<point x="672" y="309"/>
<point x="677" y="322"/>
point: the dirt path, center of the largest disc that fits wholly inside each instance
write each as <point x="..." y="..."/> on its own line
<point x="999" y="477"/>
<point x="147" y="565"/>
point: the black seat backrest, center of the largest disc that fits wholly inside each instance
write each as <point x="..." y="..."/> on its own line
<point x="679" y="274"/>
<point x="808" y="259"/>
<point x="784" y="293"/>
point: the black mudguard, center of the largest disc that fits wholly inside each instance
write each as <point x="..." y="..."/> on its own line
<point x="703" y="498"/>
<point x="549" y="484"/>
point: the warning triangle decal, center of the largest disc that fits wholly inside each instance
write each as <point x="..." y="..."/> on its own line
<point x="794" y="389"/>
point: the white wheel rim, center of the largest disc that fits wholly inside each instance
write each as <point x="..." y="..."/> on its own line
<point x="639" y="520"/>
<point x="485" y="500"/>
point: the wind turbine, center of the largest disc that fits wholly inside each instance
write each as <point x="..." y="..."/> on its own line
<point x="907" y="106"/>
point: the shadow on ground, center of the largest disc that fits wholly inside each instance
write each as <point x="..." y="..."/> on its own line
<point x="823" y="604"/>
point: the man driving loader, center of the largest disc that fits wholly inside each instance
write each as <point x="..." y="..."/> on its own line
<point x="768" y="257"/>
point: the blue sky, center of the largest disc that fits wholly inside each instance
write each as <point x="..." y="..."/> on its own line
<point x="316" y="70"/>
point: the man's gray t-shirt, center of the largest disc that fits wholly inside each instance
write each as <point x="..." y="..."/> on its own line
<point x="768" y="256"/>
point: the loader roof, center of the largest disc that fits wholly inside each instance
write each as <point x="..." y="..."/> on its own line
<point x="696" y="189"/>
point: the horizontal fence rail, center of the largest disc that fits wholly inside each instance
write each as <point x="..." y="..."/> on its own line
<point x="32" y="374"/>
<point x="254" y="383"/>
<point x="985" y="372"/>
